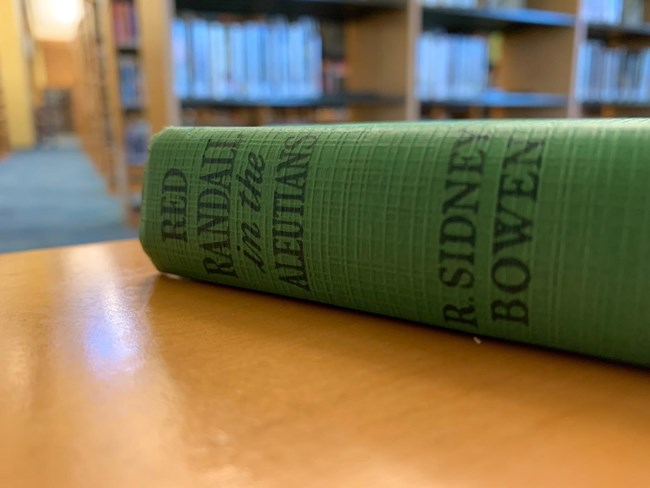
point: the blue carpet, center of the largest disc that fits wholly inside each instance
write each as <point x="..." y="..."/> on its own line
<point x="55" y="197"/>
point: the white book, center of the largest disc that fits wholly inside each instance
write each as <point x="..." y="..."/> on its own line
<point x="644" y="82"/>
<point x="475" y="64"/>
<point x="253" y="60"/>
<point x="463" y="65"/>
<point x="623" y="77"/>
<point x="607" y="9"/>
<point x="179" y="58"/>
<point x="471" y="61"/>
<point x="433" y="66"/>
<point x="265" y="60"/>
<point x="304" y="61"/>
<point x="305" y="75"/>
<point x="585" y="8"/>
<point x="296" y="59"/>
<point x="634" y="81"/>
<point x="428" y="65"/>
<point x="615" y="11"/>
<point x="200" y="58"/>
<point x="596" y="14"/>
<point x="627" y="81"/>
<point x="452" y="73"/>
<point x="285" y="61"/>
<point x="604" y="94"/>
<point x="219" y="61"/>
<point x="237" y="60"/>
<point x="446" y="53"/>
<point x="582" y="72"/>
<point x="633" y="12"/>
<point x="484" y="67"/>
<point x="612" y="72"/>
<point x="421" y="67"/>
<point x="464" y="74"/>
<point x="274" y="56"/>
<point x="594" y="72"/>
<point x="593" y="10"/>
<point x="599" y="72"/>
<point x="599" y="11"/>
<point x="617" y="68"/>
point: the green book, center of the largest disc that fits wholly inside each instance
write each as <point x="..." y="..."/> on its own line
<point x="531" y="231"/>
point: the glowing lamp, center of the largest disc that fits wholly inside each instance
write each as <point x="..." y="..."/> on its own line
<point x="55" y="20"/>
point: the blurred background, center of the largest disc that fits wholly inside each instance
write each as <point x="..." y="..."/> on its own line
<point x="85" y="83"/>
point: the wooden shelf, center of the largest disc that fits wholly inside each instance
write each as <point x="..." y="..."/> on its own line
<point x="133" y="109"/>
<point x="320" y="8"/>
<point x="602" y="103"/>
<point x="123" y="49"/>
<point x="463" y="19"/>
<point x="324" y="101"/>
<point x="607" y="31"/>
<point x="502" y="99"/>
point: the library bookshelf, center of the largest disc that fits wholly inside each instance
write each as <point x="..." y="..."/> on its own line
<point x="91" y="117"/>
<point x="530" y="62"/>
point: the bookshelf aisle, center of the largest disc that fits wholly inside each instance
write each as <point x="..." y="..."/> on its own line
<point x="197" y="62"/>
<point x="126" y="97"/>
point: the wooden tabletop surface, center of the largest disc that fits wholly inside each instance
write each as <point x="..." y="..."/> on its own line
<point x="112" y="375"/>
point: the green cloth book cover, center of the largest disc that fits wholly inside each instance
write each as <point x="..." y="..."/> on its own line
<point x="532" y="231"/>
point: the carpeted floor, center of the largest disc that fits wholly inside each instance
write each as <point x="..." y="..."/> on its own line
<point x="55" y="197"/>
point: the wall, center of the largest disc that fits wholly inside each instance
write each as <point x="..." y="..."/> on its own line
<point x="60" y="65"/>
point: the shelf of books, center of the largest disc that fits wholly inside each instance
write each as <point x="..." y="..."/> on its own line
<point x="90" y="114"/>
<point x="200" y="62"/>
<point x="613" y="69"/>
<point x="251" y="63"/>
<point x="495" y="58"/>
<point x="127" y="98"/>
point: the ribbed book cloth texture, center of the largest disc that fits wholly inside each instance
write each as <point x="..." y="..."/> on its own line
<point x="531" y="231"/>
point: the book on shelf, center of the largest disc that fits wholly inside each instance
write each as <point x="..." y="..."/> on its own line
<point x="633" y="12"/>
<point x="125" y="27"/>
<point x="200" y="67"/>
<point x="334" y="64"/>
<point x="137" y="134"/>
<point x="529" y="230"/>
<point x="503" y="3"/>
<point x="228" y="58"/>
<point x="629" y="12"/>
<point x="131" y="82"/>
<point x="451" y="66"/>
<point x="613" y="74"/>
<point x="451" y="3"/>
<point x="475" y="3"/>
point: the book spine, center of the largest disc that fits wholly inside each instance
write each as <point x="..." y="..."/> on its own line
<point x="180" y="58"/>
<point x="532" y="231"/>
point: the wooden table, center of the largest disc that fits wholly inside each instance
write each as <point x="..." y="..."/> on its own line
<point x="112" y="375"/>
